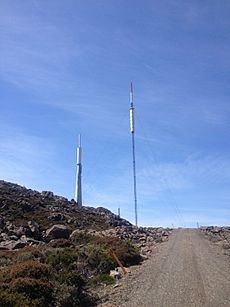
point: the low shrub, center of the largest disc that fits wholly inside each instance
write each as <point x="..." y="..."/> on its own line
<point x="127" y="253"/>
<point x="34" y="289"/>
<point x="8" y="299"/>
<point x="104" y="279"/>
<point x="69" y="296"/>
<point x="27" y="279"/>
<point x="99" y="259"/>
<point x="61" y="258"/>
<point x="80" y="238"/>
<point x="58" y="274"/>
<point x="60" y="243"/>
<point x="71" y="278"/>
<point x="29" y="268"/>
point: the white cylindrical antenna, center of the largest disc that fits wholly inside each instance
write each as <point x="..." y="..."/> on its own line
<point x="78" y="190"/>
<point x="79" y="150"/>
<point x="131" y="112"/>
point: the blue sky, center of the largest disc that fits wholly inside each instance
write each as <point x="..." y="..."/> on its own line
<point x="65" y="68"/>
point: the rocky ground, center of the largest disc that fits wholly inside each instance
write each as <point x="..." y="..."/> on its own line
<point x="29" y="218"/>
<point x="218" y="235"/>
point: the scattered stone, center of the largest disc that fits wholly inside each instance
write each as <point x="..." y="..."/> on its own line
<point x="218" y="235"/>
<point x="115" y="274"/>
<point x="12" y="245"/>
<point x="57" y="217"/>
<point x="47" y="194"/>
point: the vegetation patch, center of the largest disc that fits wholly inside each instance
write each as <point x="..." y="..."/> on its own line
<point x="103" y="279"/>
<point x="62" y="272"/>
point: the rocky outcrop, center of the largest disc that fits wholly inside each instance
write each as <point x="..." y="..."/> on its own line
<point x="14" y="237"/>
<point x="58" y="232"/>
<point x="19" y="205"/>
<point x="28" y="217"/>
<point x="13" y="242"/>
<point x="218" y="235"/>
<point x="41" y="217"/>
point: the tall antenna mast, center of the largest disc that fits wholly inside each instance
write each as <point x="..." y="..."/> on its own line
<point x="132" y="130"/>
<point x="78" y="191"/>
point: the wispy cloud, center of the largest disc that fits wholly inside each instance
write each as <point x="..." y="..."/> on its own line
<point x="32" y="55"/>
<point x="169" y="193"/>
<point x="29" y="160"/>
<point x="197" y="170"/>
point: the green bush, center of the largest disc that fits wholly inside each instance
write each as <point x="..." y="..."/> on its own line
<point x="80" y="238"/>
<point x="61" y="258"/>
<point x="99" y="258"/>
<point x="104" y="278"/>
<point x="127" y="253"/>
<point x="71" y="278"/>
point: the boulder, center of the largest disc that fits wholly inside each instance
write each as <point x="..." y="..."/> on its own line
<point x="34" y="230"/>
<point x="4" y="236"/>
<point x="57" y="232"/>
<point x="17" y="244"/>
<point x="34" y="227"/>
<point x="11" y="245"/>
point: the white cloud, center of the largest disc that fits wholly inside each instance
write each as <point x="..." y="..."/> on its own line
<point x="197" y="170"/>
<point x="28" y="160"/>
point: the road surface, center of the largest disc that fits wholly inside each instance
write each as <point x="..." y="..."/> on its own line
<point x="187" y="270"/>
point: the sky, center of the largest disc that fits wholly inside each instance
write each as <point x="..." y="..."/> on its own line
<point x="65" y="69"/>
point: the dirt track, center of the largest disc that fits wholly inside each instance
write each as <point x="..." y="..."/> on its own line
<point x="188" y="270"/>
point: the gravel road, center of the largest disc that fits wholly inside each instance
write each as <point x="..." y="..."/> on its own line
<point x="187" y="270"/>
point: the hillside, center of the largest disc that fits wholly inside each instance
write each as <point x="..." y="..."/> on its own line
<point x="19" y="204"/>
<point x="48" y="244"/>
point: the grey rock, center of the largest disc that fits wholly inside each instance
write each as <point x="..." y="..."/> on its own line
<point x="34" y="230"/>
<point x="4" y="236"/>
<point x="13" y="237"/>
<point x="26" y="206"/>
<point x="47" y="194"/>
<point x="57" y="217"/>
<point x="12" y="245"/>
<point x="58" y="231"/>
